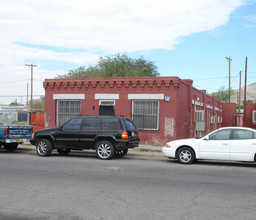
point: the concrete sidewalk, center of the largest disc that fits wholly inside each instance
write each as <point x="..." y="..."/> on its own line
<point x="147" y="152"/>
<point x="149" y="147"/>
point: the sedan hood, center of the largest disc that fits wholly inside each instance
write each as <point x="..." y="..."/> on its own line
<point x="187" y="141"/>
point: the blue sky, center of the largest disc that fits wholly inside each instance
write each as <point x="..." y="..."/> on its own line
<point x="185" y="38"/>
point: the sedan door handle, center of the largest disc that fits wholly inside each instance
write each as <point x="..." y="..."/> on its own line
<point x="225" y="144"/>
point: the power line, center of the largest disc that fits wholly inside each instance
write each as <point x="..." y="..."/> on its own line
<point x="9" y="96"/>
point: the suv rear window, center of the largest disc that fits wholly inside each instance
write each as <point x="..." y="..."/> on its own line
<point x="129" y="125"/>
<point x="110" y="124"/>
<point x="91" y="124"/>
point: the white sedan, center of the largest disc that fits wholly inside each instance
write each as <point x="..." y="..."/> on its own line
<point x="229" y="143"/>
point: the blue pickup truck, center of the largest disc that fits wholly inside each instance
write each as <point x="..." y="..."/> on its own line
<point x="13" y="135"/>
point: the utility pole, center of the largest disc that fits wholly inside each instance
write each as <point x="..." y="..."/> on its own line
<point x="229" y="84"/>
<point x="239" y="100"/>
<point x="245" y="84"/>
<point x="27" y="95"/>
<point x="31" y="66"/>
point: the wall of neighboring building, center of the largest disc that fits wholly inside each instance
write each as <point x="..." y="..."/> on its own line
<point x="169" y="102"/>
<point x="229" y="114"/>
<point x="250" y="110"/>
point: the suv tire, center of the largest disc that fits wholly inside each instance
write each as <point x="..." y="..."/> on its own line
<point x="121" y="153"/>
<point x="105" y="150"/>
<point x="64" y="151"/>
<point x="44" y="147"/>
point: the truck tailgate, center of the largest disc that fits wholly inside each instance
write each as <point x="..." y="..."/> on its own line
<point x="17" y="132"/>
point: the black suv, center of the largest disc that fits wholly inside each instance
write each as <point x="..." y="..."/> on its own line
<point x="109" y="135"/>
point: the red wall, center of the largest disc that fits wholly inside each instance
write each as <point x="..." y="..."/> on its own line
<point x="249" y="109"/>
<point x="228" y="112"/>
<point x="176" y="116"/>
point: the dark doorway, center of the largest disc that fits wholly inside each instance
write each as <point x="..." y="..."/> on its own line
<point x="106" y="110"/>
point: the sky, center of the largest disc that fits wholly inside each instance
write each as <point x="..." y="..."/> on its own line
<point x="186" y="38"/>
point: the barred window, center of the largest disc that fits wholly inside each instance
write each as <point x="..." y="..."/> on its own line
<point x="145" y="114"/>
<point x="67" y="109"/>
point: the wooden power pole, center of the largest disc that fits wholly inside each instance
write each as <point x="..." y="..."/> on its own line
<point x="245" y="84"/>
<point x="229" y="74"/>
<point x="31" y="66"/>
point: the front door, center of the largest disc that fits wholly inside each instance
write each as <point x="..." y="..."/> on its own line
<point x="217" y="146"/>
<point x="106" y="110"/>
<point x="68" y="134"/>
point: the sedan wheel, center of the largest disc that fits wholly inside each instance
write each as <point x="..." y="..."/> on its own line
<point x="186" y="155"/>
<point x="44" y="147"/>
<point x="105" y="150"/>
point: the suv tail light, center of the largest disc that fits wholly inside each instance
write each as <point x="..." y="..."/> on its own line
<point x="124" y="135"/>
<point x="6" y="131"/>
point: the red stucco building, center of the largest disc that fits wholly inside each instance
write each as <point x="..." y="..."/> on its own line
<point x="163" y="108"/>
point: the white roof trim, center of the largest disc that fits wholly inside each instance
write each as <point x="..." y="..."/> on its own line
<point x="68" y="96"/>
<point x="106" y="96"/>
<point x="146" y="96"/>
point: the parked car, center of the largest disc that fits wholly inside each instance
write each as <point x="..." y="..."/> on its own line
<point x="109" y="135"/>
<point x="229" y="143"/>
<point x="13" y="135"/>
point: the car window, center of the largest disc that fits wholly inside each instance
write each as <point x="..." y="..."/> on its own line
<point x="220" y="135"/>
<point x="73" y="124"/>
<point x="242" y="134"/>
<point x="254" y="135"/>
<point x="91" y="124"/>
<point x="110" y="124"/>
<point x="129" y="125"/>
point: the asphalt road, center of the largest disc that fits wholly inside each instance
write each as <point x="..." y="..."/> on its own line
<point x="139" y="186"/>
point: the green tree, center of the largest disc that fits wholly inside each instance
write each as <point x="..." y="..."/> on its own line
<point x="119" y="65"/>
<point x="223" y="94"/>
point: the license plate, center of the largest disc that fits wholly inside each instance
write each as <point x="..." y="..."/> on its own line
<point x="14" y="140"/>
<point x="133" y="134"/>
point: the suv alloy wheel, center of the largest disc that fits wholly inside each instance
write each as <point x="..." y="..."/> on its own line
<point x="44" y="147"/>
<point x="105" y="150"/>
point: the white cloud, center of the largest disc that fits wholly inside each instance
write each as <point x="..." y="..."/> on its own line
<point x="109" y="26"/>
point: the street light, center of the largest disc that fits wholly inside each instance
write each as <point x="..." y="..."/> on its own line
<point x="31" y="66"/>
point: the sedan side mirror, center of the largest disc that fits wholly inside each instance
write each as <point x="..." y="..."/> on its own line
<point x="206" y="138"/>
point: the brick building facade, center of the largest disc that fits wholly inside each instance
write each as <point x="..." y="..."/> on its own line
<point x="163" y="108"/>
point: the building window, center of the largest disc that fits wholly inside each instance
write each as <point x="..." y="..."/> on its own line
<point x="213" y="119"/>
<point x="67" y="109"/>
<point x="145" y="114"/>
<point x="199" y="115"/>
